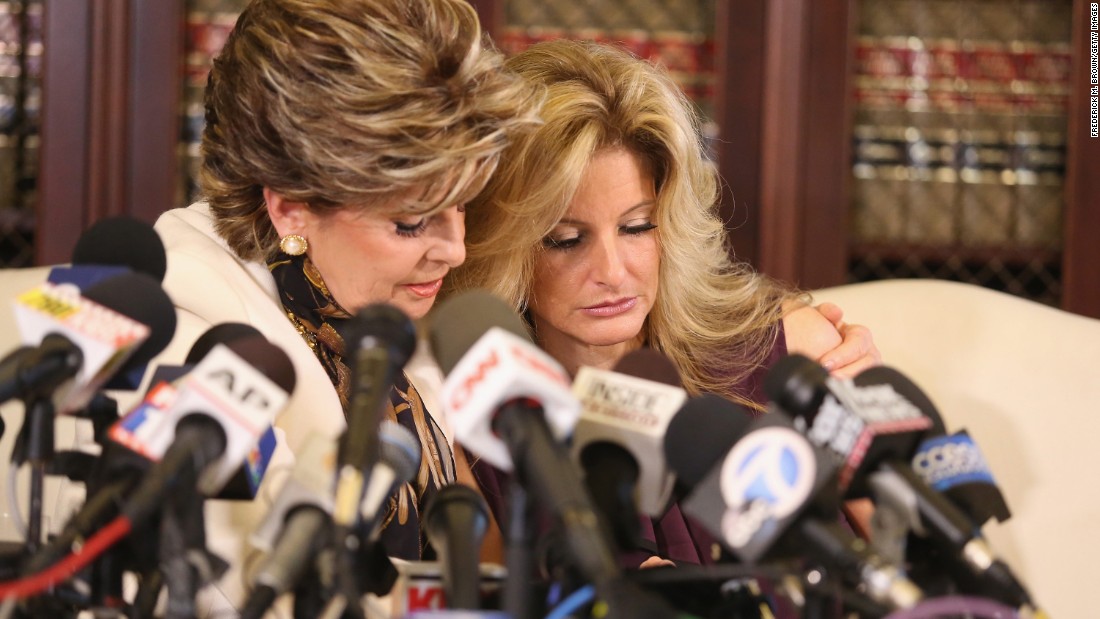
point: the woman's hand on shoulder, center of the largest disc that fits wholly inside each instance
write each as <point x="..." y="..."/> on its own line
<point x="821" y="334"/>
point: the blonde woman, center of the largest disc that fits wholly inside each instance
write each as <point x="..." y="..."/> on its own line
<point x="601" y="227"/>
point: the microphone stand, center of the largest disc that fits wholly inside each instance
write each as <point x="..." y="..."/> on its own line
<point x="519" y="534"/>
<point x="36" y="446"/>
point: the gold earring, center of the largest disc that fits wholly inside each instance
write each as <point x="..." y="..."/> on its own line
<point x="293" y="244"/>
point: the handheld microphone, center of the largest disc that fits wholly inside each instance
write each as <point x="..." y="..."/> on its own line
<point x="771" y="494"/>
<point x="877" y="453"/>
<point x="455" y="521"/>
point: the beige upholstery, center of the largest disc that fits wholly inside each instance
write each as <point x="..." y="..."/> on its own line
<point x="1024" y="379"/>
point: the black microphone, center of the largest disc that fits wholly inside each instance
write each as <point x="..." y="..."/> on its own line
<point x="952" y="465"/>
<point x="874" y="431"/>
<point x="455" y="521"/>
<point x="379" y="341"/>
<point x="122" y="241"/>
<point x="297" y="526"/>
<point x="771" y="494"/>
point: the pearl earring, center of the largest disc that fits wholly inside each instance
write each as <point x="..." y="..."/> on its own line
<point x="293" y="244"/>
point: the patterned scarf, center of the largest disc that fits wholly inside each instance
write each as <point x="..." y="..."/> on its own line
<point x="317" y="316"/>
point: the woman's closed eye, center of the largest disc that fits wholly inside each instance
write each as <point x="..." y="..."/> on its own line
<point x="410" y="229"/>
<point x="638" y="228"/>
<point x="563" y="241"/>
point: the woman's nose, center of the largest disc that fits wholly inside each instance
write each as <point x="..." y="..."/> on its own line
<point x="450" y="233"/>
<point x="608" y="263"/>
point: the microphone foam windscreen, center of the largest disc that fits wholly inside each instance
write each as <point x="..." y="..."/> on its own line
<point x="140" y="297"/>
<point x="399" y="449"/>
<point x="906" y="388"/>
<point x="701" y="433"/>
<point x="458" y="323"/>
<point x="219" y="334"/>
<point x="267" y="358"/>
<point x="385" y="323"/>
<point x="649" y="364"/>
<point x="796" y="384"/>
<point x="122" y="241"/>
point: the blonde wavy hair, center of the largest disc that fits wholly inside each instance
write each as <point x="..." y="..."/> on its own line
<point x="714" y="318"/>
<point x="353" y="103"/>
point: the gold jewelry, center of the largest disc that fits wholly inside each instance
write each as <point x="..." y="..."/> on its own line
<point x="293" y="244"/>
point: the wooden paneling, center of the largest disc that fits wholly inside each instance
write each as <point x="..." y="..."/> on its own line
<point x="1081" y="262"/>
<point x="111" y="88"/>
<point x="63" y="170"/>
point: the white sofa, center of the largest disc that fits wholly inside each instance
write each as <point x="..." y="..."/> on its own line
<point x="1024" y="379"/>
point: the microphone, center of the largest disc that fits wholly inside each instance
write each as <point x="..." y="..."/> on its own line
<point x="245" y="482"/>
<point x="81" y="340"/>
<point x="211" y="422"/>
<point x="379" y="339"/>
<point x="951" y="465"/>
<point x="509" y="402"/>
<point x="954" y="466"/>
<point x="618" y="438"/>
<point x="113" y="246"/>
<point x="771" y="494"/>
<point x="304" y="504"/>
<point x="874" y="430"/>
<point x="455" y="521"/>
<point x="218" y="409"/>
<point x="118" y="468"/>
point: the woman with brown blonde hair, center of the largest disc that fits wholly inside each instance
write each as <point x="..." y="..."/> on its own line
<point x="342" y="141"/>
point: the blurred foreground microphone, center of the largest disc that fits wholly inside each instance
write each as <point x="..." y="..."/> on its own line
<point x="874" y="431"/>
<point x="619" y="435"/>
<point x="297" y="525"/>
<point x="379" y="340"/>
<point x="119" y="467"/>
<point x="79" y="341"/>
<point x="771" y="495"/>
<point x="113" y="246"/>
<point x="205" y="429"/>
<point x="455" y="521"/>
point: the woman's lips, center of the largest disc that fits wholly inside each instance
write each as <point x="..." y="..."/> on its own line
<point x="426" y="289"/>
<point x="611" y="308"/>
